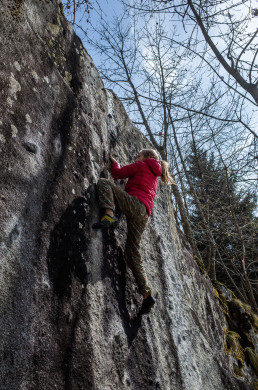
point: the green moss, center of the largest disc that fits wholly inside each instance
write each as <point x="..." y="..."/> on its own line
<point x="237" y="370"/>
<point x="200" y="264"/>
<point x="222" y="300"/>
<point x="244" y="311"/>
<point x="221" y="287"/>
<point x="236" y="309"/>
<point x="15" y="8"/>
<point x="61" y="7"/>
<point x="232" y="340"/>
<point x="233" y="343"/>
<point x="255" y="385"/>
<point x="54" y="29"/>
<point x="241" y="319"/>
<point x="252" y="357"/>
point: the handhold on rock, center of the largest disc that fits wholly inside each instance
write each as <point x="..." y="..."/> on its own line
<point x="32" y="148"/>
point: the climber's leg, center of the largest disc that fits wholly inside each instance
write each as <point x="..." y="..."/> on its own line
<point x="106" y="201"/>
<point x="136" y="223"/>
<point x="137" y="217"/>
<point x="107" y="193"/>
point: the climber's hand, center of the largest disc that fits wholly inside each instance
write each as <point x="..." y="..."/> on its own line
<point x="112" y="159"/>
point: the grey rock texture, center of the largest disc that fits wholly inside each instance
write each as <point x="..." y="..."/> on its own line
<point x="68" y="306"/>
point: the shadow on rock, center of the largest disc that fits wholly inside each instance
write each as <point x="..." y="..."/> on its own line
<point x="66" y="259"/>
<point x="67" y="251"/>
<point x="119" y="295"/>
<point x="114" y="268"/>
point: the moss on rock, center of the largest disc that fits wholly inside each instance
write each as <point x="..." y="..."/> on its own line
<point x="233" y="343"/>
<point x="243" y="311"/>
<point x="243" y="324"/>
<point x="252" y="357"/>
<point x="61" y="8"/>
<point x="237" y="370"/>
<point x="200" y="265"/>
<point x="15" y="8"/>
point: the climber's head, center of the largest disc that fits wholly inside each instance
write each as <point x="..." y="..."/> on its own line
<point x="151" y="153"/>
<point x="147" y="153"/>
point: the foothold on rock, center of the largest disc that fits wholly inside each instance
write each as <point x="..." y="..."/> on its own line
<point x="32" y="148"/>
<point x="109" y="115"/>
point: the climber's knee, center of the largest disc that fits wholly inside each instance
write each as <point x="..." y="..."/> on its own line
<point x="102" y="182"/>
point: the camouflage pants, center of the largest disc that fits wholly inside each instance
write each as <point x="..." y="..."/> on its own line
<point x="136" y="217"/>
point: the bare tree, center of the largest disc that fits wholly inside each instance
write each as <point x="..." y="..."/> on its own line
<point x="228" y="36"/>
<point x="79" y="9"/>
<point x="173" y="110"/>
<point x="177" y="101"/>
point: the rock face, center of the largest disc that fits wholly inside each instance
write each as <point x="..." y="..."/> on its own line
<point x="68" y="305"/>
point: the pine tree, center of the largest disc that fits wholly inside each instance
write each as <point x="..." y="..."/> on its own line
<point x="229" y="216"/>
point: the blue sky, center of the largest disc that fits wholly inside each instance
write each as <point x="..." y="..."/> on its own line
<point x="109" y="8"/>
<point x="112" y="8"/>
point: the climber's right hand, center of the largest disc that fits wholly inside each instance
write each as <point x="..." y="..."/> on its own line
<point x="112" y="159"/>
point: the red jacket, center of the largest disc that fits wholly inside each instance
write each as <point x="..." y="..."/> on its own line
<point x="142" y="182"/>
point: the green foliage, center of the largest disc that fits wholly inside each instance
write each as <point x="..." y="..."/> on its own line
<point x="229" y="216"/>
<point x="240" y="337"/>
<point x="16" y="8"/>
<point x="200" y="264"/>
<point x="253" y="358"/>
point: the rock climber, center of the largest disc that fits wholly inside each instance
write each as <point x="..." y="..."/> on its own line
<point x="136" y="202"/>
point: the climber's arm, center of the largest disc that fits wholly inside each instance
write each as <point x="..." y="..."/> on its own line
<point x="123" y="172"/>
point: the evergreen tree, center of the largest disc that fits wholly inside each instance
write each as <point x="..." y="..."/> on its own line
<point x="229" y="217"/>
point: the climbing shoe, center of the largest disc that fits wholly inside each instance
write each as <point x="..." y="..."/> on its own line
<point x="147" y="304"/>
<point x="106" y="222"/>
